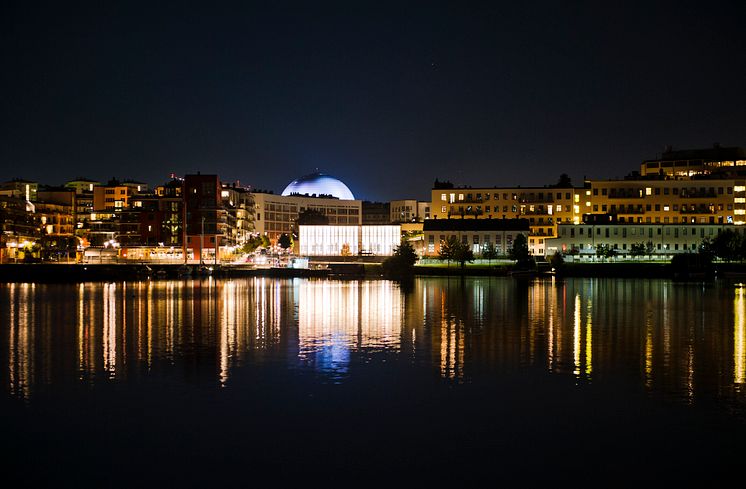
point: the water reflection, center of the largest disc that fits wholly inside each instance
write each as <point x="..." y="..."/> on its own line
<point x="679" y="341"/>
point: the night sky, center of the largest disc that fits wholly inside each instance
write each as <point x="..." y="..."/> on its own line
<point x="386" y="97"/>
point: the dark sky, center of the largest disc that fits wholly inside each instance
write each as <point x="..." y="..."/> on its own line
<point x="385" y="97"/>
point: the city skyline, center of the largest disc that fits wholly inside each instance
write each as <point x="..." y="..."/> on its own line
<point x="265" y="94"/>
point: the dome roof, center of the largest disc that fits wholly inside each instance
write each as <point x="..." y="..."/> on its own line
<point x="319" y="184"/>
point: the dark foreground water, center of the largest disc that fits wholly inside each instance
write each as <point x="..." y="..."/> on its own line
<point x="260" y="381"/>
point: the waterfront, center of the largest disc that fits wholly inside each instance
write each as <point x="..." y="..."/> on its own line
<point x="443" y="379"/>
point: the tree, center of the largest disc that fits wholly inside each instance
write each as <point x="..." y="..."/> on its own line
<point x="557" y="260"/>
<point x="611" y="252"/>
<point x="447" y="249"/>
<point x="649" y="249"/>
<point x="456" y="250"/>
<point x="463" y="254"/>
<point x="489" y="252"/>
<point x="519" y="250"/>
<point x="638" y="249"/>
<point x="255" y="242"/>
<point x="601" y="250"/>
<point x="285" y="241"/>
<point x="727" y="245"/>
<point x="401" y="263"/>
<point x="345" y="250"/>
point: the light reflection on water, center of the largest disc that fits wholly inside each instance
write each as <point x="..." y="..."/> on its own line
<point x="683" y="342"/>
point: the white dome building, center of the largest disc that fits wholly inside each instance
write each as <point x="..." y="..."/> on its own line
<point x="319" y="184"/>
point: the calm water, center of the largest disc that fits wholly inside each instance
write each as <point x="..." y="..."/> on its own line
<point x="193" y="383"/>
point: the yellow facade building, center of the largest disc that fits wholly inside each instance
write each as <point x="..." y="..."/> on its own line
<point x="656" y="200"/>
<point x="542" y="207"/>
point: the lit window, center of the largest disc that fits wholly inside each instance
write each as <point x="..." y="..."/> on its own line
<point x="648" y="191"/>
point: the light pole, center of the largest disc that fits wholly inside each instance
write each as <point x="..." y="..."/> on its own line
<point x="201" y="240"/>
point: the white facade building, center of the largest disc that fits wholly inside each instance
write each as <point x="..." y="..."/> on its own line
<point x="355" y="240"/>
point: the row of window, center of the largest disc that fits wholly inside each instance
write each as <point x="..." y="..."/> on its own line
<point x="634" y="231"/>
<point x="658" y="246"/>
<point x="478" y="196"/>
<point x="666" y="190"/>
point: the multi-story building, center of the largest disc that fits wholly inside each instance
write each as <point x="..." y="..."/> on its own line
<point x="56" y="211"/>
<point x="376" y="212"/>
<point x="239" y="204"/>
<point x="477" y="233"/>
<point x="542" y="207"/>
<point x="83" y="189"/>
<point x="275" y="215"/>
<point x="82" y="185"/>
<point x="19" y="187"/>
<point x="112" y="196"/>
<point x="409" y="210"/>
<point x="667" y="200"/>
<point x="205" y="217"/>
<point x="662" y="240"/>
<point x="692" y="162"/>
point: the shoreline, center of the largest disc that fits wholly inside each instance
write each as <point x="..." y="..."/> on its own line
<point x="73" y="273"/>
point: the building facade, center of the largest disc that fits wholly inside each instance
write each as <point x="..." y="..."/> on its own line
<point x="662" y="240"/>
<point x="348" y="240"/>
<point x="275" y="215"/>
<point x="477" y="233"/>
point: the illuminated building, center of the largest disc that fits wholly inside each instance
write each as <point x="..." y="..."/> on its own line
<point x="409" y="210"/>
<point x="205" y="217"/>
<point x="113" y="196"/>
<point x="348" y="240"/>
<point x="275" y="215"/>
<point x="239" y="204"/>
<point x="18" y="187"/>
<point x="542" y="207"/>
<point x="320" y="185"/>
<point x="691" y="201"/>
<point x="666" y="240"/>
<point x="82" y="185"/>
<point x="477" y="233"/>
<point x="692" y="162"/>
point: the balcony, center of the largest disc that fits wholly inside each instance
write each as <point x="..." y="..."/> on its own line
<point x="698" y="210"/>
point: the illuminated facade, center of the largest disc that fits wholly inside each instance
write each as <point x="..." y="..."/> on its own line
<point x="25" y="189"/>
<point x="477" y="233"/>
<point x="691" y="162"/>
<point x="670" y="201"/>
<point x="275" y="215"/>
<point x="542" y="207"/>
<point x="348" y="240"/>
<point x="409" y="210"/>
<point x="665" y="240"/>
<point x="112" y="196"/>
<point x="319" y="185"/>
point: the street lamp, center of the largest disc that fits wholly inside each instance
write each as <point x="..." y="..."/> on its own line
<point x="201" y="240"/>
